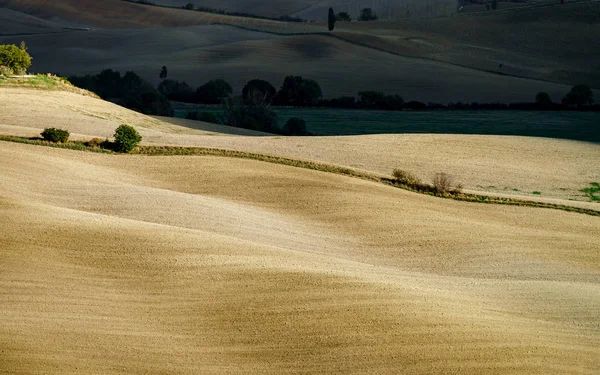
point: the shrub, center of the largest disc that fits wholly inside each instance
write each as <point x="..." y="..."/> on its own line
<point x="443" y="183"/>
<point x="126" y="138"/>
<point x="367" y="14"/>
<point x="406" y="178"/>
<point x="55" y="135"/>
<point x="6" y="71"/>
<point x="15" y="58"/>
<point x="343" y="17"/>
<point x="295" y="126"/>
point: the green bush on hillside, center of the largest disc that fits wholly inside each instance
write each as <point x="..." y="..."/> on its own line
<point x="15" y="58"/>
<point x="126" y="138"/>
<point x="5" y="71"/>
<point x="55" y="135"/>
<point x="406" y="178"/>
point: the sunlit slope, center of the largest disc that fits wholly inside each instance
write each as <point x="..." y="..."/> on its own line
<point x="494" y="164"/>
<point x="198" y="54"/>
<point x="121" y="264"/>
<point x="26" y="112"/>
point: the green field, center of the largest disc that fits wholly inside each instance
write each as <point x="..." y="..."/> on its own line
<point x="583" y="126"/>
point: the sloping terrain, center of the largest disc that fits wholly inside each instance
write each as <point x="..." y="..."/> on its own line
<point x="132" y="264"/>
<point x="17" y="23"/>
<point x="555" y="44"/>
<point x="518" y="166"/>
<point x="317" y="9"/>
<point x="117" y="14"/>
<point x="198" y="54"/>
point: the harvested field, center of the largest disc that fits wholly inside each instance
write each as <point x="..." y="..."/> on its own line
<point x="516" y="166"/>
<point x="218" y="265"/>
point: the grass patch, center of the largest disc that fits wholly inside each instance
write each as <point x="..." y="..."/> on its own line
<point x="536" y="192"/>
<point x="413" y="185"/>
<point x="44" y="82"/>
<point x="593" y="191"/>
<point x="72" y="145"/>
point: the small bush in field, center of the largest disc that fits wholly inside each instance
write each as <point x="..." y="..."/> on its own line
<point x="444" y="183"/>
<point x="55" y="135"/>
<point x="406" y="178"/>
<point x="126" y="138"/>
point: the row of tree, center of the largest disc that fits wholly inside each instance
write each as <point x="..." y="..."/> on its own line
<point x="299" y="92"/>
<point x="133" y="92"/>
<point x="295" y="91"/>
<point x="129" y="90"/>
<point x="366" y="14"/>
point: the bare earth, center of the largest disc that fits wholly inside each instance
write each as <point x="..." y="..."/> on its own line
<point x="133" y="264"/>
<point x="516" y="166"/>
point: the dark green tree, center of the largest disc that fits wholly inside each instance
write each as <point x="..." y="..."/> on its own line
<point x="163" y="72"/>
<point x="331" y="19"/>
<point x="126" y="138"/>
<point x="343" y="17"/>
<point x="299" y="92"/>
<point x="258" y="90"/>
<point x="579" y="95"/>
<point x="55" y="135"/>
<point x="176" y="90"/>
<point x="15" y="58"/>
<point x="212" y="92"/>
<point x="367" y="14"/>
<point x="542" y="99"/>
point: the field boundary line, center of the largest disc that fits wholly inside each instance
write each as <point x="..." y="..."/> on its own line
<point x="306" y="164"/>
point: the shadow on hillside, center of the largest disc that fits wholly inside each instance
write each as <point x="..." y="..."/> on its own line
<point x="579" y="126"/>
<point x="212" y="128"/>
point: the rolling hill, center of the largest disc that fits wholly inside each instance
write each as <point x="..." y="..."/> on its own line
<point x="134" y="264"/>
<point x="474" y="57"/>
<point x="487" y="164"/>
<point x="137" y="264"/>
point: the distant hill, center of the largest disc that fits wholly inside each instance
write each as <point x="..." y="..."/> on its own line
<point x="317" y="9"/>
